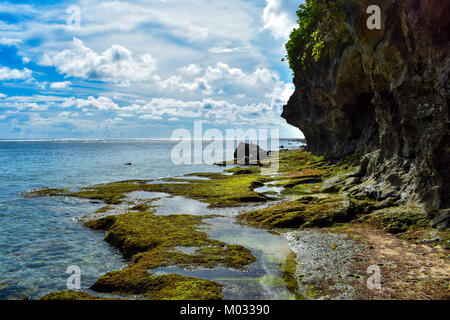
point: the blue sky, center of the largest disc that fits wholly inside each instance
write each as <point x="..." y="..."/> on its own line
<point x="142" y="69"/>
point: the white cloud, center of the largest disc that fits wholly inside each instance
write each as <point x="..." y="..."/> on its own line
<point x="100" y="103"/>
<point x="10" y="41"/>
<point x="14" y="74"/>
<point x="2" y="95"/>
<point x="276" y="20"/>
<point x="25" y="60"/>
<point x="115" y="64"/>
<point x="235" y="75"/>
<point x="175" y="83"/>
<point x="60" y="85"/>
<point x="192" y="69"/>
<point x="225" y="48"/>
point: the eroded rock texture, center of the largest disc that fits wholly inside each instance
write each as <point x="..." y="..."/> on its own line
<point x="383" y="94"/>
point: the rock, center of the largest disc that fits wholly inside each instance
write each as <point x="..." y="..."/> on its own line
<point x="400" y="219"/>
<point x="249" y="154"/>
<point x="384" y="95"/>
<point x="441" y="219"/>
<point x="389" y="202"/>
<point x="372" y="193"/>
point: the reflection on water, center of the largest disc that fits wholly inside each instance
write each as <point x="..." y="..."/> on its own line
<point x="266" y="188"/>
<point x="145" y="195"/>
<point x="195" y="178"/>
<point x="180" y="205"/>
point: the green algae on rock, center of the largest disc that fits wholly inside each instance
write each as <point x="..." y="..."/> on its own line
<point x="317" y="211"/>
<point x="143" y="232"/>
<point x="403" y="218"/>
<point x="167" y="287"/>
<point x="289" y="270"/>
<point x="222" y="191"/>
<point x="151" y="242"/>
<point x="72" y="295"/>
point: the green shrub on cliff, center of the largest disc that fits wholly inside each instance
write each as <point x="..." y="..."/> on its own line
<point x="306" y="40"/>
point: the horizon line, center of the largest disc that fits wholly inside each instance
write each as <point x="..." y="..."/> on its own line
<point x="134" y="139"/>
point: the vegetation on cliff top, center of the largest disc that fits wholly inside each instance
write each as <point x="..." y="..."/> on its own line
<point x="306" y="40"/>
<point x="319" y="25"/>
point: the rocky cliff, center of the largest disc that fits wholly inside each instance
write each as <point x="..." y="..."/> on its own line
<point x="381" y="94"/>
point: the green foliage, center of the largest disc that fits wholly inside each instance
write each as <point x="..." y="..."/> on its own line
<point x="307" y="39"/>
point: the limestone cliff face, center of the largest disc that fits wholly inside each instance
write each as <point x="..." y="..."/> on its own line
<point x="383" y="94"/>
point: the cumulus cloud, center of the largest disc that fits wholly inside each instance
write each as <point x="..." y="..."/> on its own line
<point x="91" y="103"/>
<point x="192" y="69"/>
<point x="116" y="64"/>
<point x="14" y="74"/>
<point x="60" y="85"/>
<point x="176" y="83"/>
<point x="276" y="20"/>
<point x="223" y="73"/>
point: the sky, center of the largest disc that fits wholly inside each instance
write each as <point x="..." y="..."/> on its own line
<point x="143" y="68"/>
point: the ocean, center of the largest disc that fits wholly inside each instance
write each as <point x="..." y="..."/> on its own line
<point x="41" y="237"/>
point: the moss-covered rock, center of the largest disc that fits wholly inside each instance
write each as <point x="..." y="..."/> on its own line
<point x="138" y="281"/>
<point x="151" y="242"/>
<point x="403" y="218"/>
<point x="320" y="211"/>
<point x="72" y="295"/>
<point x="291" y="281"/>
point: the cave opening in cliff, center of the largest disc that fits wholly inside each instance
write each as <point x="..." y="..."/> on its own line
<point x="361" y="119"/>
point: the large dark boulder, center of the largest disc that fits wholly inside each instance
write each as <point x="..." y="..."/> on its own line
<point x="250" y="154"/>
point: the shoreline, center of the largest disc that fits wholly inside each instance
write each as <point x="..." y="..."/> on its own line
<point x="311" y="200"/>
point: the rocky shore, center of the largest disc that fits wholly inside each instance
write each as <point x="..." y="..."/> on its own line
<point x="333" y="235"/>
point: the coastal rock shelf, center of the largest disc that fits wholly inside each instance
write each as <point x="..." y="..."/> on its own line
<point x="223" y="237"/>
